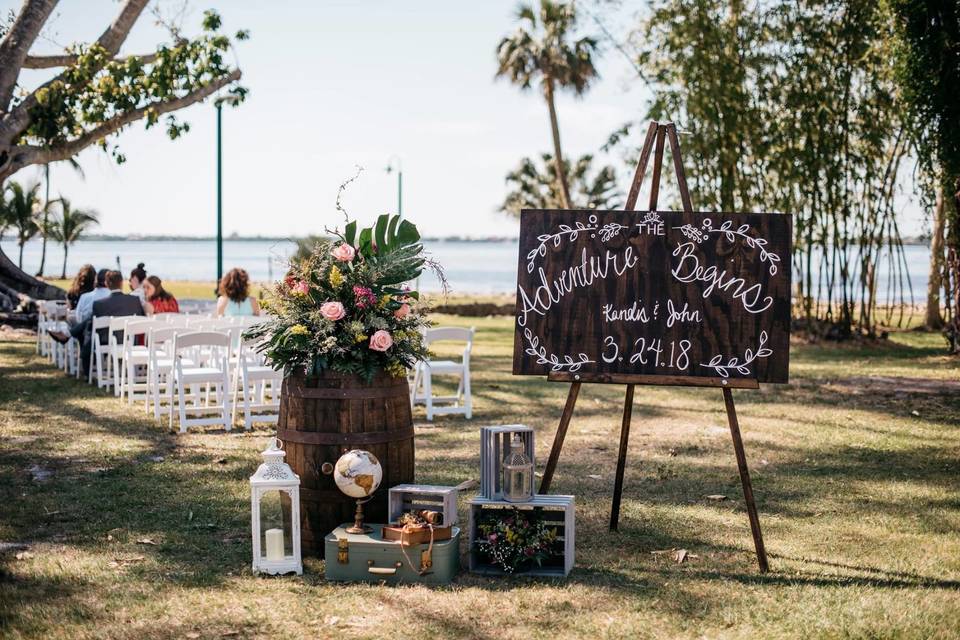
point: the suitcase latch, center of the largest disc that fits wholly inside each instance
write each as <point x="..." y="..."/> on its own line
<point x="343" y="551"/>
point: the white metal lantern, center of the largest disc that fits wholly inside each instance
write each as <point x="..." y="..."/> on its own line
<point x="275" y="514"/>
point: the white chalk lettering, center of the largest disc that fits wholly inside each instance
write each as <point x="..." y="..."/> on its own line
<point x="689" y="269"/>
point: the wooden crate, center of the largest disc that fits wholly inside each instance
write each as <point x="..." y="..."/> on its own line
<point x="557" y="510"/>
<point x="494" y="446"/>
<point x="413" y="497"/>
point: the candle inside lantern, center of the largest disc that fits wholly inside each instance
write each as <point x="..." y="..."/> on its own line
<point x="274" y="545"/>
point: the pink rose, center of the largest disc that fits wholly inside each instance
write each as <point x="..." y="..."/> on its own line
<point x="343" y="252"/>
<point x="301" y="288"/>
<point x="332" y="311"/>
<point x="381" y="341"/>
<point x="402" y="312"/>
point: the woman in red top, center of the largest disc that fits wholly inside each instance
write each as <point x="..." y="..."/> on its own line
<point x="158" y="299"/>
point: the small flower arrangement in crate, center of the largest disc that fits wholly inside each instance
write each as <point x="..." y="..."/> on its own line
<point x="346" y="309"/>
<point x="534" y="538"/>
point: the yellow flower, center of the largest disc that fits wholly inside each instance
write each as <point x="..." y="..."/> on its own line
<point x="299" y="330"/>
<point x="360" y="337"/>
<point x="336" y="277"/>
<point x="384" y="301"/>
<point x="396" y="369"/>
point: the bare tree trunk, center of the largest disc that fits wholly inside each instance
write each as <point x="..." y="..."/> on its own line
<point x="953" y="270"/>
<point x="934" y="320"/>
<point x="557" y="155"/>
<point x="46" y="221"/>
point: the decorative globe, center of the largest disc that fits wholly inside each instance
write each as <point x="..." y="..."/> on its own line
<point x="358" y="473"/>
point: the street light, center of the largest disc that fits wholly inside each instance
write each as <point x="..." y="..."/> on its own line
<point x="395" y="164"/>
<point x="218" y="103"/>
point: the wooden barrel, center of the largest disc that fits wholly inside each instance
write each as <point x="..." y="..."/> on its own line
<point x="321" y="418"/>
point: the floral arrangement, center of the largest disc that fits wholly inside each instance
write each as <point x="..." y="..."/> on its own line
<point x="346" y="307"/>
<point x="515" y="541"/>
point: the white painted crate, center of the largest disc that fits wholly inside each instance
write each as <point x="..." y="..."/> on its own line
<point x="558" y="510"/>
<point x="407" y="497"/>
<point x="494" y="446"/>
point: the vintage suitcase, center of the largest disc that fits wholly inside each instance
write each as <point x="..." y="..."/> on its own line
<point x="369" y="558"/>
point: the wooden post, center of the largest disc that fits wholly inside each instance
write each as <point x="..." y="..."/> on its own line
<point x="558" y="439"/>
<point x="621" y="458"/>
<point x="745" y="480"/>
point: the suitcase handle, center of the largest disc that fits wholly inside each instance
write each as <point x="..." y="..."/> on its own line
<point x="382" y="571"/>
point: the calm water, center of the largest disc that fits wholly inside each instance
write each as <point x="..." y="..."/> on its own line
<point x="471" y="267"/>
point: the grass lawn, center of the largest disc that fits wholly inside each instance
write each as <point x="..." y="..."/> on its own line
<point x="135" y="532"/>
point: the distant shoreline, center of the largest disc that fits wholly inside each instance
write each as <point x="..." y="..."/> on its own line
<point x="162" y="238"/>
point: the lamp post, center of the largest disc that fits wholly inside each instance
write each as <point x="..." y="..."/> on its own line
<point x="218" y="103"/>
<point x="394" y="164"/>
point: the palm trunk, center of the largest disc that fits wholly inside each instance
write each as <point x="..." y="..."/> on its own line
<point x="66" y="248"/>
<point x="933" y="318"/>
<point x="20" y="259"/>
<point x="557" y="155"/>
<point x="46" y="211"/>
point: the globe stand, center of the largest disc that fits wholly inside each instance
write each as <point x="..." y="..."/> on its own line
<point x="358" y="526"/>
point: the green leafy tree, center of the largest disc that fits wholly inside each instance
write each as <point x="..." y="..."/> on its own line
<point x="97" y="93"/>
<point x="544" y="49"/>
<point x="21" y="212"/>
<point x="69" y="225"/>
<point x="534" y="186"/>
<point x="792" y="107"/>
<point x="926" y="37"/>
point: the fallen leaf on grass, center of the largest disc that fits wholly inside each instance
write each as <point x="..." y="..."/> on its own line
<point x="122" y="562"/>
<point x="660" y="552"/>
<point x="146" y="541"/>
<point x="192" y="635"/>
<point x="681" y="556"/>
<point x="157" y="459"/>
<point x="229" y="634"/>
<point x="331" y="620"/>
<point x="716" y="497"/>
<point x="24" y="555"/>
<point x="915" y="413"/>
<point x="595" y="476"/>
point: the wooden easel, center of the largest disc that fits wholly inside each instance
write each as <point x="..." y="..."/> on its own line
<point x="656" y="134"/>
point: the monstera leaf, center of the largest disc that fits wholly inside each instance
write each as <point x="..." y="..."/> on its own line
<point x="391" y="246"/>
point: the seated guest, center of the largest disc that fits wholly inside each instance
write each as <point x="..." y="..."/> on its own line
<point x="85" y="303"/>
<point x="235" y="299"/>
<point x="159" y="300"/>
<point x="137" y="277"/>
<point x="114" y="303"/>
<point x="84" y="281"/>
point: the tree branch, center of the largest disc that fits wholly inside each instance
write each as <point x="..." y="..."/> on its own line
<point x="111" y="40"/>
<point x="24" y="155"/>
<point x="16" y="44"/>
<point x="67" y="59"/>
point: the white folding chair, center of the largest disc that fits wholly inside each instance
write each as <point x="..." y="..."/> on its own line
<point x="160" y="367"/>
<point x="135" y="359"/>
<point x="115" y="349"/>
<point x="259" y="385"/>
<point x="212" y="377"/>
<point x="422" y="388"/>
<point x="100" y="355"/>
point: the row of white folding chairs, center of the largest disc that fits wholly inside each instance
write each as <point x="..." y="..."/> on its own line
<point x="204" y="371"/>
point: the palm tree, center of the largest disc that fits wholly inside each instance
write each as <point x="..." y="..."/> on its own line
<point x="21" y="210"/>
<point x="542" y="49"/>
<point x="69" y="226"/>
<point x="533" y="187"/>
<point x="45" y="225"/>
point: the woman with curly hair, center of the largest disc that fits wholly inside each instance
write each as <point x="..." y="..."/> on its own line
<point x="84" y="281"/>
<point x="235" y="298"/>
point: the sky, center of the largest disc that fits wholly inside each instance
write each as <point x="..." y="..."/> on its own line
<point x="335" y="85"/>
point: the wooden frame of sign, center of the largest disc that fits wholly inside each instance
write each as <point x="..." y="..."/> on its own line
<point x="749" y="313"/>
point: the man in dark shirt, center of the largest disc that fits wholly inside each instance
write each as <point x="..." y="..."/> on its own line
<point x="117" y="303"/>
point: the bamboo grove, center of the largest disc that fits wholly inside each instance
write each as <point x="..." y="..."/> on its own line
<point x="792" y="107"/>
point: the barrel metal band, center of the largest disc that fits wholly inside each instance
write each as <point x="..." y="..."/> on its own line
<point x="327" y="438"/>
<point x="345" y="394"/>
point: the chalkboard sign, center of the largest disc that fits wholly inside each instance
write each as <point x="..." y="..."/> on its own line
<point x="703" y="295"/>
